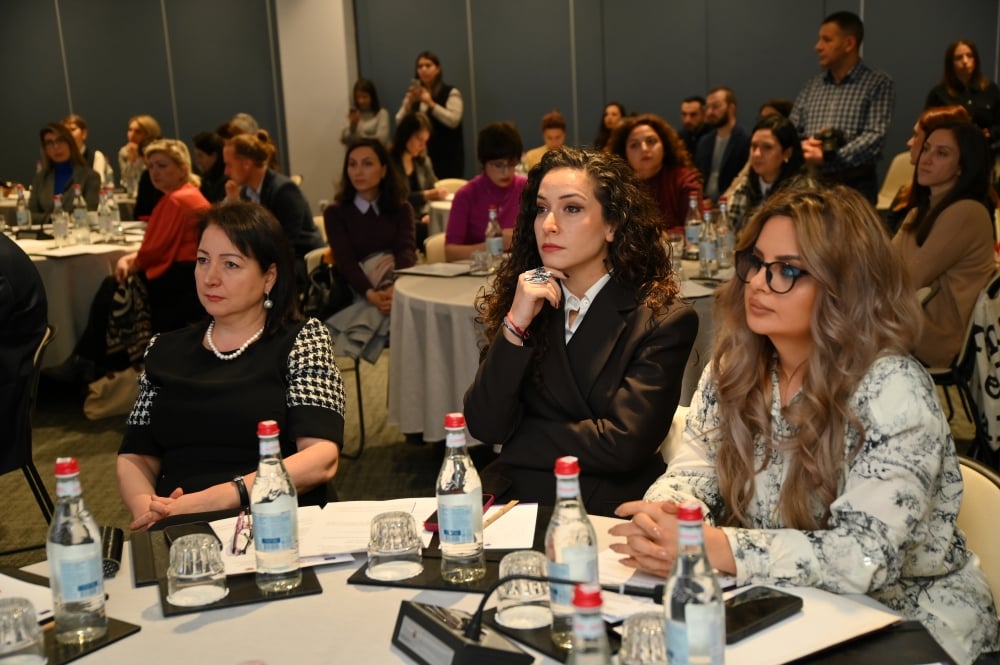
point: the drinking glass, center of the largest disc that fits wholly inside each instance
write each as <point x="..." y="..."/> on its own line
<point x="196" y="575"/>
<point x="523" y="604"/>
<point x="21" y="639"/>
<point x="394" y="548"/>
<point x="643" y="640"/>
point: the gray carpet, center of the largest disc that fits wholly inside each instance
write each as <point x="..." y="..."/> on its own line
<point x="389" y="467"/>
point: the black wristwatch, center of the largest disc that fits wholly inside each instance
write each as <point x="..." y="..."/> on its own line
<point x="241" y="487"/>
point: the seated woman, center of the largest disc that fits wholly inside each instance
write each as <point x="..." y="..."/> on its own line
<point x="499" y="151"/>
<point x="553" y="136"/>
<point x="366" y="119"/>
<point x="246" y="157"/>
<point x="946" y="241"/>
<point x="165" y="259"/>
<point x="928" y="121"/>
<point x="587" y="338"/>
<point x="191" y="443"/>
<point x="141" y="130"/>
<point x="62" y="168"/>
<point x="410" y="158"/>
<point x="370" y="225"/>
<point x="611" y="118"/>
<point x="776" y="162"/>
<point x="660" y="160"/>
<point x="77" y="127"/>
<point x="815" y="443"/>
<point x="208" y="157"/>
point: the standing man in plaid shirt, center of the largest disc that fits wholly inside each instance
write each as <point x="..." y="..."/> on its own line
<point x="843" y="114"/>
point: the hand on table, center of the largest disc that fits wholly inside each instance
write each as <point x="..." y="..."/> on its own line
<point x="159" y="507"/>
<point x="650" y="538"/>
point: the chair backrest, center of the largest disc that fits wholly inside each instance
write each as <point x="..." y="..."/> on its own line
<point x="977" y="517"/>
<point x="900" y="173"/>
<point x="318" y="221"/>
<point x="50" y="332"/>
<point x="434" y="248"/>
<point x="314" y="257"/>
<point x="451" y="184"/>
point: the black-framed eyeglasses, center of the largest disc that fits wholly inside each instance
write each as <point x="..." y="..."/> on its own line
<point x="780" y="276"/>
<point x="243" y="534"/>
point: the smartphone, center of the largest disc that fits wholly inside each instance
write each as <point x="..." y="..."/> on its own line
<point x="431" y="523"/>
<point x="172" y="533"/>
<point x="755" y="609"/>
<point x="414" y="83"/>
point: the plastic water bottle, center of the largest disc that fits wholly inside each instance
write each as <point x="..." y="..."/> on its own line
<point x="104" y="226"/>
<point x="274" y="508"/>
<point x="726" y="235"/>
<point x="81" y="225"/>
<point x="22" y="216"/>
<point x="590" y="640"/>
<point x="73" y="548"/>
<point x="692" y="599"/>
<point x="708" y="258"/>
<point x="117" y="230"/>
<point x="60" y="222"/>
<point x="692" y="229"/>
<point x="460" y="508"/>
<point x="571" y="548"/>
<point x="494" y="239"/>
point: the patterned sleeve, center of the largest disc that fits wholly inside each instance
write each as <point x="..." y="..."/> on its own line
<point x="691" y="474"/>
<point x="147" y="393"/>
<point x="897" y="491"/>
<point x="315" y="396"/>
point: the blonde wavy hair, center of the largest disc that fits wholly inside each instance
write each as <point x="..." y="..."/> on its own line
<point x="178" y="153"/>
<point x="865" y="308"/>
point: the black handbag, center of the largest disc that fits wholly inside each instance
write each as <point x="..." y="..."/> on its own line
<point x="326" y="293"/>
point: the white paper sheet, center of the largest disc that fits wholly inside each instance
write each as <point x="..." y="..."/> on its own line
<point x="514" y="531"/>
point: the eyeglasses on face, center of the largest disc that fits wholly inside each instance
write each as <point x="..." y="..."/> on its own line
<point x="503" y="164"/>
<point x="52" y="143"/>
<point x="780" y="276"/>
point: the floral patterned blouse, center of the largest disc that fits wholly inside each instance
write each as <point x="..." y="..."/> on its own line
<point x="891" y="533"/>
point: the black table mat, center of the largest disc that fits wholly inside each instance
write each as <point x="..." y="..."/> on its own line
<point x="148" y="549"/>
<point x="903" y="643"/>
<point x="62" y="653"/>
<point x="243" y="591"/>
<point x="430" y="578"/>
<point x="540" y="639"/>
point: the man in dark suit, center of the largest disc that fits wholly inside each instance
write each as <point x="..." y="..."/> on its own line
<point x="722" y="152"/>
<point x="23" y="317"/>
<point x="693" y="125"/>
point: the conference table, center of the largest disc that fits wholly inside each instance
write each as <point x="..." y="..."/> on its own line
<point x="71" y="276"/>
<point x="8" y="207"/>
<point x="435" y="346"/>
<point x="350" y="623"/>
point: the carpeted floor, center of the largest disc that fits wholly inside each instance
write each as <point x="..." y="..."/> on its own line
<point x="388" y="468"/>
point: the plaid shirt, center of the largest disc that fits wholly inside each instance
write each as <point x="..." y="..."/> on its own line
<point x="860" y="106"/>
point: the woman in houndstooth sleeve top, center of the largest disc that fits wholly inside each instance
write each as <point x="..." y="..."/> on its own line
<point x="191" y="443"/>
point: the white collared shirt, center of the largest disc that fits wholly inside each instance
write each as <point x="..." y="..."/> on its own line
<point x="363" y="204"/>
<point x="580" y="305"/>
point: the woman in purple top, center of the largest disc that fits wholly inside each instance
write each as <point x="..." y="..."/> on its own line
<point x="370" y="217"/>
<point x="499" y="151"/>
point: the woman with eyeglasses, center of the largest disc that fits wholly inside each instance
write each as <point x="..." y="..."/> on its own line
<point x="661" y="161"/>
<point x="62" y="167"/>
<point x="946" y="240"/>
<point x="815" y="443"/>
<point x="499" y="151"/>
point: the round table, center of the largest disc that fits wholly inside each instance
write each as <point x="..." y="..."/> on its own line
<point x="440" y="210"/>
<point x="434" y="350"/>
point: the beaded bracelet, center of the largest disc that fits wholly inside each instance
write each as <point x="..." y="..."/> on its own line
<point x="511" y="326"/>
<point x="512" y="329"/>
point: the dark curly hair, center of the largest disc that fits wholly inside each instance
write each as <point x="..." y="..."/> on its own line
<point x="636" y="257"/>
<point x="675" y="153"/>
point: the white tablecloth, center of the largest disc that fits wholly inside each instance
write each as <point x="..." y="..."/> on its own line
<point x="434" y="352"/>
<point x="70" y="284"/>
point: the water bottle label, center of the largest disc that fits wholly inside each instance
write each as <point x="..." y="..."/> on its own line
<point x="700" y="637"/>
<point x="579" y="563"/>
<point x="274" y="530"/>
<point x="690" y="534"/>
<point x="707" y="250"/>
<point x="23" y="218"/>
<point x="80" y="216"/>
<point x="494" y="246"/>
<point x="691" y="233"/>
<point x="78" y="569"/>
<point x="567" y="487"/>
<point x="460" y="516"/>
<point x="588" y="626"/>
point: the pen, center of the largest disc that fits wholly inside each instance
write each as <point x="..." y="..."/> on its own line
<point x="500" y="513"/>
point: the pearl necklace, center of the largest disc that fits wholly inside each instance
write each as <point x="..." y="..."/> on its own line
<point x="235" y="354"/>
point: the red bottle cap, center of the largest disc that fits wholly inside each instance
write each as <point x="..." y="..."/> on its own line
<point x="690" y="512"/>
<point x="267" y="428"/>
<point x="454" y="421"/>
<point x="587" y="595"/>
<point x="567" y="466"/>
<point x="67" y="466"/>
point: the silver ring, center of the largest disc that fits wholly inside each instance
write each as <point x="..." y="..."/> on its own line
<point x="537" y="276"/>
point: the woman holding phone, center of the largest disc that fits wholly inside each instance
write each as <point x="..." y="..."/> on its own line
<point x="442" y="104"/>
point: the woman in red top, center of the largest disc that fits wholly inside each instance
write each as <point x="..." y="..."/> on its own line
<point x="165" y="259"/>
<point x="658" y="157"/>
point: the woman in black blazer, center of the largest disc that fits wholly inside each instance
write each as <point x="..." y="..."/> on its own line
<point x="62" y="167"/>
<point x="587" y="338"/>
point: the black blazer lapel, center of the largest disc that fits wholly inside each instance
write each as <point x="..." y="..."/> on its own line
<point x="560" y="385"/>
<point x="592" y="344"/>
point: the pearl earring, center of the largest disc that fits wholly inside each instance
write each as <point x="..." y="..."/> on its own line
<point x="268" y="303"/>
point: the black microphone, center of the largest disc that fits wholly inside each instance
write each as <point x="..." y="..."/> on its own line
<point x="434" y="635"/>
